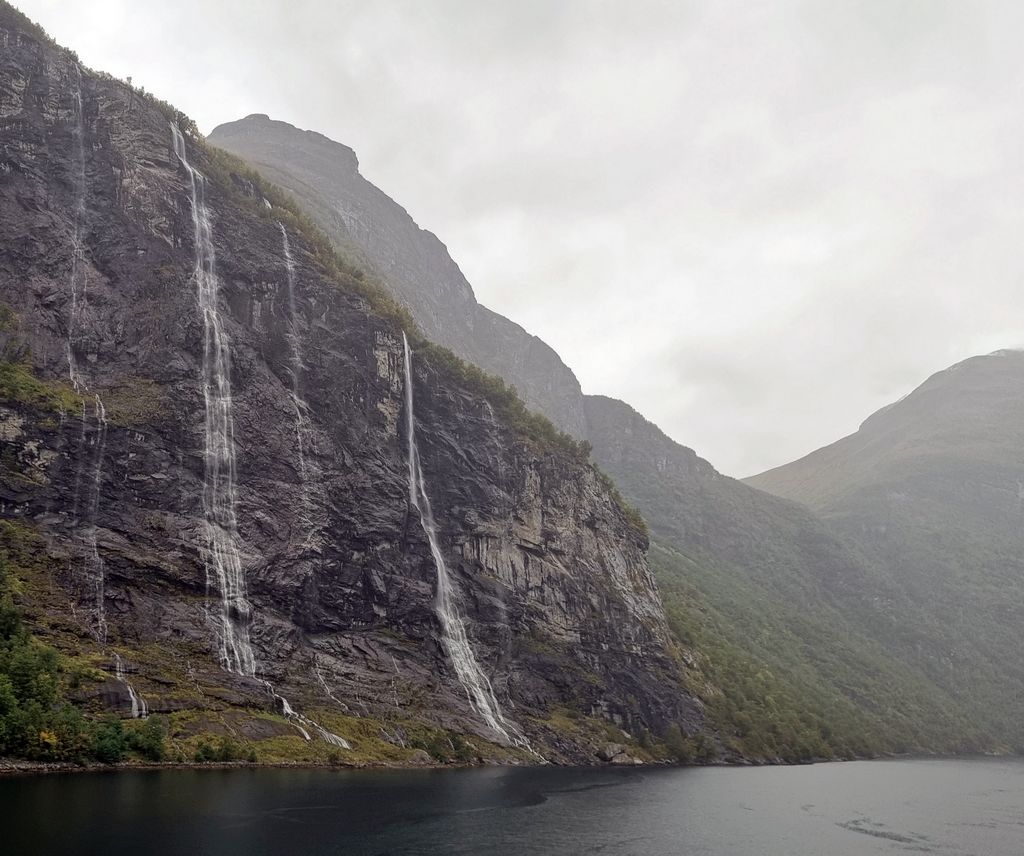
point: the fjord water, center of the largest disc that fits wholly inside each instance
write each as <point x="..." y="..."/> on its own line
<point x="955" y="807"/>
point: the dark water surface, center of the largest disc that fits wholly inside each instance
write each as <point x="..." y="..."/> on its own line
<point x="935" y="806"/>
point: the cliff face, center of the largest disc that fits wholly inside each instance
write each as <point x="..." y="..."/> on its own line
<point x="786" y="594"/>
<point x="369" y="225"/>
<point x="110" y="459"/>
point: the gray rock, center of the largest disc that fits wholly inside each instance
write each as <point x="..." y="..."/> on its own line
<point x="367" y="224"/>
<point x="551" y="578"/>
<point x="610" y="751"/>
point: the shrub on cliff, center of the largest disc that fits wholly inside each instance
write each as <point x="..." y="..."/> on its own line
<point x="36" y="720"/>
<point x="147" y="739"/>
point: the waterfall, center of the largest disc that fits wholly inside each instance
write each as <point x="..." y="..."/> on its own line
<point x="223" y="559"/>
<point x="453" y="627"/>
<point x="98" y="570"/>
<point x="78" y="283"/>
<point x="303" y="722"/>
<point x="78" y="280"/>
<point x="140" y="710"/>
<point x="327" y="690"/>
<point x="303" y="431"/>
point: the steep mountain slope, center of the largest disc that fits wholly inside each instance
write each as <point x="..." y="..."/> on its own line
<point x="207" y="489"/>
<point x="762" y="584"/>
<point x="931" y="488"/>
<point x="370" y="226"/>
<point x="785" y="611"/>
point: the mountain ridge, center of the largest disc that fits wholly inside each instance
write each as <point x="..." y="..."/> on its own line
<point x="714" y="539"/>
<point x="368" y="224"/>
<point x="930" y="488"/>
<point x="206" y="485"/>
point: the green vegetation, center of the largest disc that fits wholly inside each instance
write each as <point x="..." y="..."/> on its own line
<point x="29" y="26"/>
<point x="113" y="742"/>
<point x="223" y="750"/>
<point x="787" y="625"/>
<point x="18" y="383"/>
<point x="132" y="401"/>
<point x="695" y="749"/>
<point x="506" y="402"/>
<point x="632" y="514"/>
<point x="929" y="489"/>
<point x="36" y="720"/>
<point x="786" y="683"/>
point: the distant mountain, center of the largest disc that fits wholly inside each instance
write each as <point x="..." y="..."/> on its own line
<point x="784" y="610"/>
<point x="762" y="583"/>
<point x="931" y="488"/>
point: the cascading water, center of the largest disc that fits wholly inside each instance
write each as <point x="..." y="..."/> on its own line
<point x="303" y="431"/>
<point x="223" y="559"/>
<point x="98" y="569"/>
<point x="78" y="285"/>
<point x="453" y="628"/>
<point x="140" y="710"/>
<point x="303" y="722"/>
<point x="327" y="690"/>
<point x="78" y="280"/>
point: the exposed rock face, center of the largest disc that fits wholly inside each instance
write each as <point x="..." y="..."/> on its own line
<point x="552" y="579"/>
<point x="371" y="226"/>
<point x="687" y="502"/>
<point x="791" y="594"/>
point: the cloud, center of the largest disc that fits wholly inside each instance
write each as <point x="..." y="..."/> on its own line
<point x="756" y="223"/>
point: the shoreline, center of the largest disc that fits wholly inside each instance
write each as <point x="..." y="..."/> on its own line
<point x="11" y="767"/>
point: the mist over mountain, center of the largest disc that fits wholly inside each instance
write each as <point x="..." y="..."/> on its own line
<point x="277" y="488"/>
<point x="765" y="569"/>
<point x="930" y="488"/>
<point x="414" y="264"/>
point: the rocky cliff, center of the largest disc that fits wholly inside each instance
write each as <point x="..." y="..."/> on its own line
<point x="368" y="224"/>
<point x="758" y="583"/>
<point x="209" y="444"/>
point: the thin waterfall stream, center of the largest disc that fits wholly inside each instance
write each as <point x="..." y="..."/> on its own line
<point x="78" y="281"/>
<point x="140" y="710"/>
<point x="98" y="568"/>
<point x="308" y="471"/>
<point x="454" y="639"/>
<point x="93" y="566"/>
<point x="224" y="558"/>
<point x="302" y="723"/>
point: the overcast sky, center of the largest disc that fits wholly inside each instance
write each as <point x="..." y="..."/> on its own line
<point x="757" y="222"/>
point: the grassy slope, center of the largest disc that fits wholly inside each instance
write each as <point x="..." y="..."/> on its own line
<point x="930" y="490"/>
<point x="787" y="615"/>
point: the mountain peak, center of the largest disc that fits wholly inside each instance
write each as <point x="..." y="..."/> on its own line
<point x="968" y="411"/>
<point x="276" y="134"/>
